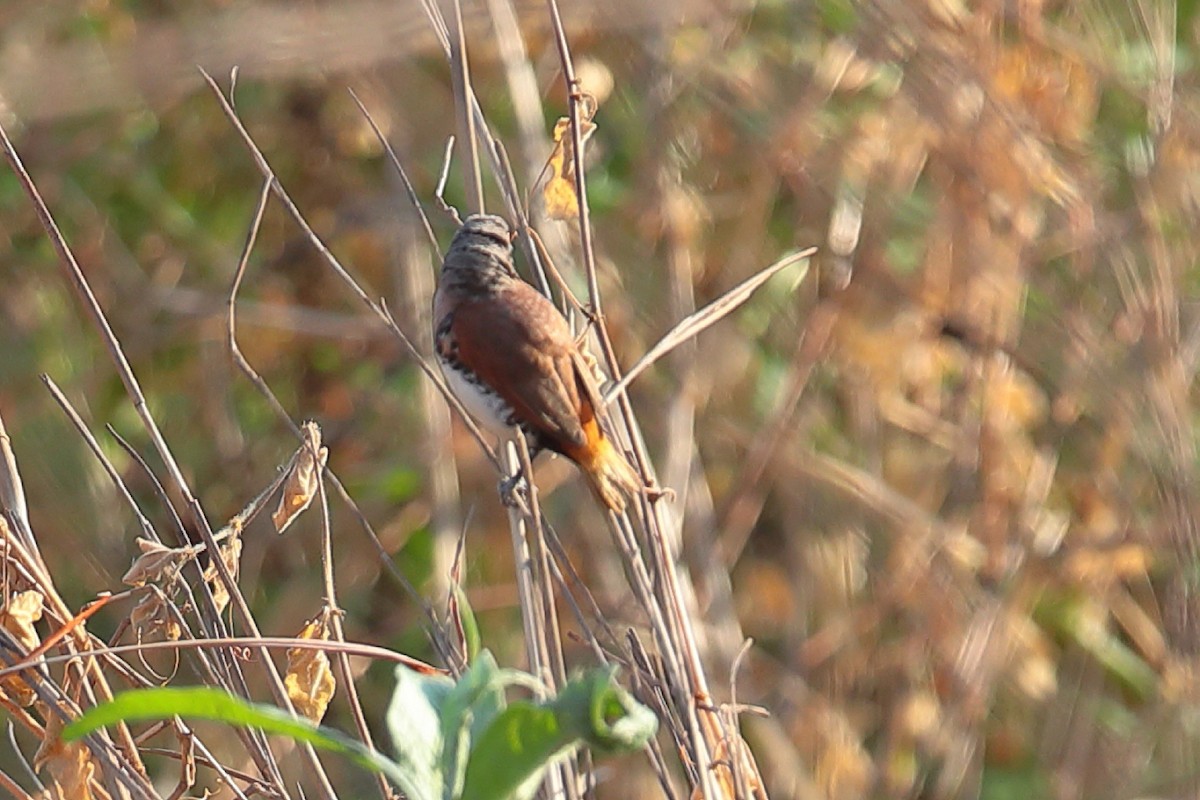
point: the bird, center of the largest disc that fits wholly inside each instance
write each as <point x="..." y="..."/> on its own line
<point x="509" y="356"/>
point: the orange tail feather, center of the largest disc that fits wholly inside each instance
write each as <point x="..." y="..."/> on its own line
<point x="610" y="476"/>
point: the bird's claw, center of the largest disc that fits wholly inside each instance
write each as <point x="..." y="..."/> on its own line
<point x="656" y="493"/>
<point x="514" y="491"/>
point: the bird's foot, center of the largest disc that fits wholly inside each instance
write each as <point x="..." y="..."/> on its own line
<point x="655" y="493"/>
<point x="514" y="491"/>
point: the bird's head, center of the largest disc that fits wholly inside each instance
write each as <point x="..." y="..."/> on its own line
<point x="484" y="229"/>
<point x="480" y="254"/>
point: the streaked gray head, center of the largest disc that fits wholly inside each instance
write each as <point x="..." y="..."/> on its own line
<point x="480" y="255"/>
<point x="484" y="228"/>
<point x="481" y="241"/>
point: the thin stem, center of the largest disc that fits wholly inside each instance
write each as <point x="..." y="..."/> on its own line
<point x="460" y="73"/>
<point x="75" y="277"/>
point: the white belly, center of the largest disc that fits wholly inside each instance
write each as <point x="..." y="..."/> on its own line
<point x="486" y="407"/>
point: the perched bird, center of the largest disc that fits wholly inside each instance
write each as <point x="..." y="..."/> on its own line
<point x="509" y="356"/>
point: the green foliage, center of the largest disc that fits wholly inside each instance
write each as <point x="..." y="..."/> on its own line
<point x="202" y="702"/>
<point x="838" y="15"/>
<point x="1016" y="783"/>
<point x="461" y="740"/>
<point x="465" y="616"/>
<point x="452" y="739"/>
<point x="416" y="559"/>
<point x="519" y="744"/>
<point x="1072" y="618"/>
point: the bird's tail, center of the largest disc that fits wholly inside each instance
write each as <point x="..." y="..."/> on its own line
<point x="610" y="476"/>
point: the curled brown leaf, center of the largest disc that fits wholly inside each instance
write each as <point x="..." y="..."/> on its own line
<point x="69" y="767"/>
<point x="157" y="563"/>
<point x="301" y="485"/>
<point x="17" y="617"/>
<point x="559" y="195"/>
<point x="309" y="681"/>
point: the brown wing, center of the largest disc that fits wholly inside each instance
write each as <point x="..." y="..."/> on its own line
<point x="520" y="345"/>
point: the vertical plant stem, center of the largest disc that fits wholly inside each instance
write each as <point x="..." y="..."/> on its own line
<point x="468" y="144"/>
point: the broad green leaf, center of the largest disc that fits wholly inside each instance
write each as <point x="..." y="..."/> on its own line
<point x="615" y="721"/>
<point x="202" y="702"/>
<point x="509" y="759"/>
<point x="468" y="708"/>
<point x="434" y="722"/>
<point x="414" y="722"/>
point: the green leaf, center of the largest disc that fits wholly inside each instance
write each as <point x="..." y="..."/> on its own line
<point x="469" y="708"/>
<point x="1064" y="614"/>
<point x="1185" y="13"/>
<point x="511" y="756"/>
<point x="434" y="721"/>
<point x="467" y="623"/>
<point x="839" y="16"/>
<point x="514" y="752"/>
<point x="1013" y="782"/>
<point x="203" y="702"/>
<point x="616" y="722"/>
<point x="414" y="722"/>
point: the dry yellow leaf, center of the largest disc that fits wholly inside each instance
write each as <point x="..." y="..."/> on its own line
<point x="17" y="617"/>
<point x="559" y="192"/>
<point x="1017" y="401"/>
<point x="301" y="485"/>
<point x="151" y="615"/>
<point x="1053" y="85"/>
<point x="309" y="681"/>
<point x="920" y="715"/>
<point x="156" y="563"/>
<point x="69" y="767"/>
<point x="231" y="554"/>
<point x="1179" y="684"/>
<point x="596" y="80"/>
<point x="17" y="690"/>
<point x="1102" y="565"/>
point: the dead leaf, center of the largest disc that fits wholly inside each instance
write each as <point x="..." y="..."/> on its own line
<point x="309" y="681"/>
<point x="301" y="485"/>
<point x="151" y="615"/>
<point x="17" y="690"/>
<point x="562" y="203"/>
<point x="17" y="617"/>
<point x="69" y="766"/>
<point x="156" y="563"/>
<point x="843" y="768"/>
<point x="231" y="554"/>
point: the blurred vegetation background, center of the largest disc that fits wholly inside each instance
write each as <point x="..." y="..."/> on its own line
<point x="946" y="482"/>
